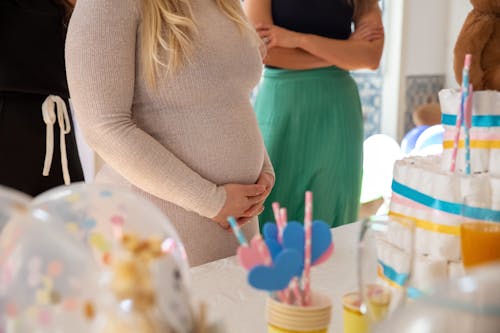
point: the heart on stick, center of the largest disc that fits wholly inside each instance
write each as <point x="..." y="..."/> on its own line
<point x="250" y="256"/>
<point x="277" y="276"/>
<point x="321" y="242"/>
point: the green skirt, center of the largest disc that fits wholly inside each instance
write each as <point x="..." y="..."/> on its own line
<point x="312" y="125"/>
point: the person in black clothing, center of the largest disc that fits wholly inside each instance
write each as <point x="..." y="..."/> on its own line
<point x="35" y="120"/>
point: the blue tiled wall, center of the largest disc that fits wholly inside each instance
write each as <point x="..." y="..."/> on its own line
<point x="370" y="92"/>
<point x="420" y="89"/>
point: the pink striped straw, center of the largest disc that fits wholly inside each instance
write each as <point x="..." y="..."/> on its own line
<point x="307" y="250"/>
<point x="283" y="219"/>
<point x="277" y="217"/>
<point x="294" y="286"/>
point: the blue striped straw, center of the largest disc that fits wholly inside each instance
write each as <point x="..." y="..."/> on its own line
<point x="465" y="96"/>
<point x="237" y="231"/>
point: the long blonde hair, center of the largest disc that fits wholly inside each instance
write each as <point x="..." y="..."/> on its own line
<point x="168" y="29"/>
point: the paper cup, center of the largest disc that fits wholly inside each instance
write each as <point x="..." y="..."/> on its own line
<point x="354" y="320"/>
<point x="285" y="318"/>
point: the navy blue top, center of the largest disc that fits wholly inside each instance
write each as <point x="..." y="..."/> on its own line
<point x="327" y="18"/>
<point x="32" y="36"/>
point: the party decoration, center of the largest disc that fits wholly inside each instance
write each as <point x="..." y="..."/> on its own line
<point x="136" y="305"/>
<point x="278" y="276"/>
<point x="98" y="215"/>
<point x="284" y="258"/>
<point x="251" y="256"/>
<point x="48" y="282"/>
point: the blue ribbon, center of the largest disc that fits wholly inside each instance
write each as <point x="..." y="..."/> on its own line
<point x="399" y="278"/>
<point x="477" y="121"/>
<point x="483" y="214"/>
<point x="391" y="274"/>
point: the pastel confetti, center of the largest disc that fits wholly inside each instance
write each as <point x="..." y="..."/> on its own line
<point x="72" y="227"/>
<point x="70" y="304"/>
<point x="73" y="198"/>
<point x="48" y="283"/>
<point x="98" y="241"/>
<point x="44" y="317"/>
<point x="42" y="297"/>
<point x="106" y="258"/>
<point x="89" y="224"/>
<point x="106" y="194"/>
<point x="54" y="269"/>
<point x="11" y="309"/>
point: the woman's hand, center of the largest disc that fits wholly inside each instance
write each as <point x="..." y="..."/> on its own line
<point x="239" y="199"/>
<point x="274" y="36"/>
<point x="368" y="32"/>
<point x="267" y="180"/>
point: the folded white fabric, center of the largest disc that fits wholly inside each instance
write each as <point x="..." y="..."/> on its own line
<point x="484" y="133"/>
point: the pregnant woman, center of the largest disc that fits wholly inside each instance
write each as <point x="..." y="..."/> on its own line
<point x="161" y="90"/>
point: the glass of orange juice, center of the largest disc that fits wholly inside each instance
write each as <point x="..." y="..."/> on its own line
<point x="480" y="239"/>
<point x="480" y="242"/>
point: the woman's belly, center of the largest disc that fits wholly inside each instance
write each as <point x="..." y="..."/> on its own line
<point x="222" y="143"/>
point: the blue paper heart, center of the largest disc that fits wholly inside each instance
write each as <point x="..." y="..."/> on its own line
<point x="278" y="276"/>
<point x="88" y="224"/>
<point x="321" y="239"/>
<point x="294" y="238"/>
<point x="274" y="247"/>
<point x="270" y="231"/>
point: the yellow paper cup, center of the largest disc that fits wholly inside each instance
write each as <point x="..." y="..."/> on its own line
<point x="354" y="320"/>
<point x="285" y="318"/>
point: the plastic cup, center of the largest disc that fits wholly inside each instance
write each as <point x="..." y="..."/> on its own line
<point x="354" y="320"/>
<point x="286" y="318"/>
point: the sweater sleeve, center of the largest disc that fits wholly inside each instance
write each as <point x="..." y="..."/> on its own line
<point x="100" y="61"/>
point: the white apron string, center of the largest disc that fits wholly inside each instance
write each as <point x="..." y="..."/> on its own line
<point x="49" y="117"/>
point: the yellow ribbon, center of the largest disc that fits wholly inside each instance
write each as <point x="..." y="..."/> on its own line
<point x="477" y="144"/>
<point x="428" y="225"/>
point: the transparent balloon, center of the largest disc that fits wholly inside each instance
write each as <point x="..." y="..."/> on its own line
<point x="12" y="205"/>
<point x="466" y="304"/>
<point x="143" y="262"/>
<point x="47" y="281"/>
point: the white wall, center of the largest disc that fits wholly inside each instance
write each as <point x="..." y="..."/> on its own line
<point x="426" y="34"/>
<point x="458" y="12"/>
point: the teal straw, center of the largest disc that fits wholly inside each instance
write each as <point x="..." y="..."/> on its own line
<point x="237" y="231"/>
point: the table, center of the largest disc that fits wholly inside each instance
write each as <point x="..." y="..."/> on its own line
<point x="222" y="285"/>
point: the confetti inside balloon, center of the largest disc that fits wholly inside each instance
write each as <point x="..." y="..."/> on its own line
<point x="42" y="270"/>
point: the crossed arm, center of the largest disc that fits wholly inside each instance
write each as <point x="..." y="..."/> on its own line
<point x="294" y="50"/>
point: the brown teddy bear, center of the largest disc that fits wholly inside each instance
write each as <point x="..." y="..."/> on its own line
<point x="480" y="36"/>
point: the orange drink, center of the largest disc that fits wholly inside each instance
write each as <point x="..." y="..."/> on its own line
<point x="480" y="243"/>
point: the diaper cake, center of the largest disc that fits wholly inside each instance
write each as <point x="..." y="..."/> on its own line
<point x="438" y="193"/>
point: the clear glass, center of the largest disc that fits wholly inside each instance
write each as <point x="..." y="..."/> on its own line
<point x="480" y="239"/>
<point x="463" y="305"/>
<point x="385" y="263"/>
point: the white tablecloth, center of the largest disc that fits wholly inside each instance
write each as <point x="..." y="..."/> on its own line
<point x="222" y="285"/>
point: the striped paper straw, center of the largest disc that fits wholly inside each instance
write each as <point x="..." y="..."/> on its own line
<point x="468" y="125"/>
<point x="237" y="231"/>
<point x="458" y="125"/>
<point x="307" y="250"/>
<point x="277" y="218"/>
<point x="461" y="115"/>
<point x="294" y="286"/>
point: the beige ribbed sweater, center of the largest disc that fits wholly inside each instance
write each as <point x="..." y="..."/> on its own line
<point x="178" y="144"/>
